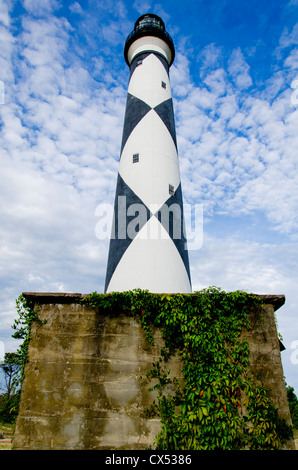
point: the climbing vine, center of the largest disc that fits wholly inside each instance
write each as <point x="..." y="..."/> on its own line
<point x="22" y="327"/>
<point x="218" y="403"/>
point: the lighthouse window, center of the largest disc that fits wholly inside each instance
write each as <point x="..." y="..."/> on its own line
<point x="164" y="85"/>
<point x="171" y="190"/>
<point x="135" y="158"/>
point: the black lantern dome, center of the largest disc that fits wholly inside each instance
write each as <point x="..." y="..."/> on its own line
<point x="149" y="25"/>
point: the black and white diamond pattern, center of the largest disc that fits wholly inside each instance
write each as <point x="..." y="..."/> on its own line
<point x="154" y="258"/>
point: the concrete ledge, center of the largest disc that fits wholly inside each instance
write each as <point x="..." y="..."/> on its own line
<point x="54" y="297"/>
<point x="276" y="301"/>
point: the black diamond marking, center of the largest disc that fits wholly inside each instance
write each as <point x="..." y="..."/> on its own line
<point x="165" y="111"/>
<point x="143" y="56"/>
<point x="164" y="62"/>
<point x="120" y="240"/>
<point x="134" y="63"/>
<point x="172" y="219"/>
<point x="135" y="110"/>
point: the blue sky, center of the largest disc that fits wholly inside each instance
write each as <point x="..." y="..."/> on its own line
<point x="61" y="115"/>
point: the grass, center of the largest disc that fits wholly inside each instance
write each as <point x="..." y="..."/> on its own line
<point x="296" y="438"/>
<point x="7" y="431"/>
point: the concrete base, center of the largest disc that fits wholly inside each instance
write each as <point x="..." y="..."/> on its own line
<point x="84" y="381"/>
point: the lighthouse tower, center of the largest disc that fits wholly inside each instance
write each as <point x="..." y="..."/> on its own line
<point x="148" y="248"/>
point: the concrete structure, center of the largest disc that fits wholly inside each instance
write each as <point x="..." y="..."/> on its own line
<point x="148" y="251"/>
<point x="83" y="386"/>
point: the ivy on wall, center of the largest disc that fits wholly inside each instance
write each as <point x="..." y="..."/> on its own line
<point x="217" y="403"/>
<point x="22" y="326"/>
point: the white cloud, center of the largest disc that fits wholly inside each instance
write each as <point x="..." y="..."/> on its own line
<point x="4" y="13"/>
<point x="237" y="149"/>
<point x="142" y="6"/>
<point x="76" y="8"/>
<point x="60" y="140"/>
<point x="159" y="10"/>
<point x="292" y="60"/>
<point x="41" y="7"/>
<point x="6" y="50"/>
<point x="289" y="38"/>
<point x="239" y="70"/>
<point x="211" y="57"/>
<point x="232" y="262"/>
<point x="216" y="82"/>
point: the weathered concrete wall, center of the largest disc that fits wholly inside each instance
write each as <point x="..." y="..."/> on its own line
<point x="83" y="387"/>
<point x="264" y="347"/>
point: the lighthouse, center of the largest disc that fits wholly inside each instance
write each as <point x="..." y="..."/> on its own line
<point x="148" y="246"/>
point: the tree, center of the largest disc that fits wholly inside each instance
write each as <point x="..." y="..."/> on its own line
<point x="10" y="369"/>
<point x="293" y="405"/>
<point x="9" y="400"/>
